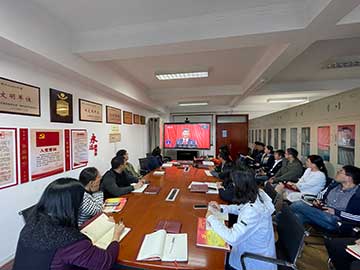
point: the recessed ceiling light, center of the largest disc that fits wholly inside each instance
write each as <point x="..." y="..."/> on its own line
<point x="182" y="75"/>
<point x="287" y="100"/>
<point x="194" y="103"/>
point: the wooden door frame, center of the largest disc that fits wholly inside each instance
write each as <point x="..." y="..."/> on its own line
<point x="216" y="122"/>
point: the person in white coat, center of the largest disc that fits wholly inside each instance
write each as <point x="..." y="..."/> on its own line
<point x="253" y="231"/>
<point x="311" y="182"/>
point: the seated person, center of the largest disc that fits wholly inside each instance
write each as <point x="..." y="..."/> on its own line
<point x="291" y="169"/>
<point x="155" y="160"/>
<point x="279" y="155"/>
<point x="129" y="167"/>
<point x="253" y="231"/>
<point x="51" y="238"/>
<point x="258" y="151"/>
<point x="223" y="148"/>
<point x="225" y="167"/>
<point x="267" y="160"/>
<point x="340" y="259"/>
<point x="93" y="199"/>
<point x="185" y="141"/>
<point x="311" y="183"/>
<point x="116" y="181"/>
<point x="341" y="202"/>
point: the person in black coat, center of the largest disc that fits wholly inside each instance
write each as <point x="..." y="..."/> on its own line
<point x="265" y="174"/>
<point x="267" y="160"/>
<point x="340" y="259"/>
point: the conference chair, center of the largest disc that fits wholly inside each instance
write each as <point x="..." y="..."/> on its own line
<point x="290" y="242"/>
<point x="276" y="198"/>
<point x="144" y="166"/>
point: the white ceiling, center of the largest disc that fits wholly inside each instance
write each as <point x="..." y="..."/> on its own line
<point x="253" y="49"/>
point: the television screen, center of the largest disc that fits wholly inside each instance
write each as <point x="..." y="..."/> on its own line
<point x="187" y="136"/>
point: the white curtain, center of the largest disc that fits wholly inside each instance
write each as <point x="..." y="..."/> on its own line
<point x="154" y="133"/>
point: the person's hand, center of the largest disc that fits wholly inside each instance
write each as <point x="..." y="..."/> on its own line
<point x="208" y="213"/>
<point x="280" y="188"/>
<point x="357" y="242"/>
<point x="271" y="180"/>
<point x="144" y="181"/>
<point x="138" y="185"/>
<point x="331" y="211"/>
<point x="219" y="185"/>
<point x="118" y="229"/>
<point x="214" y="205"/>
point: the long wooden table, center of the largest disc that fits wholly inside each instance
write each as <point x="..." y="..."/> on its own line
<point x="142" y="212"/>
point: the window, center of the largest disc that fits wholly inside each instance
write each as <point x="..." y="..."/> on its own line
<point x="283" y="138"/>
<point x="305" y="141"/>
<point x="293" y="138"/>
<point x="269" y="137"/>
<point x="256" y="136"/>
<point x="252" y="136"/>
<point x="276" y="138"/>
<point x="260" y="135"/>
<point x="264" y="136"/>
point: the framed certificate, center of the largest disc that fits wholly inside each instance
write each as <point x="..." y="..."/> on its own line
<point x="142" y="120"/>
<point x="113" y="115"/>
<point x="136" y="119"/>
<point x="8" y="157"/>
<point x="90" y="111"/>
<point x="61" y="106"/>
<point x="19" y="98"/>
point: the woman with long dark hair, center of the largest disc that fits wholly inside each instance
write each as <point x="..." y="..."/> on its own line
<point x="253" y="231"/>
<point x="51" y="238"/>
<point x="311" y="182"/>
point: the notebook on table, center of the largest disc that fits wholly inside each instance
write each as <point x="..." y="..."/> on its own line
<point x="207" y="237"/>
<point x="162" y="246"/>
<point x="212" y="188"/>
<point x="139" y="190"/>
<point x="170" y="226"/>
<point x="202" y="188"/>
<point x="101" y="230"/>
<point x="159" y="173"/>
<point x="152" y="190"/>
<point x="354" y="250"/>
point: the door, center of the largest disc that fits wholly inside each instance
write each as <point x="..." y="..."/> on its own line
<point x="232" y="130"/>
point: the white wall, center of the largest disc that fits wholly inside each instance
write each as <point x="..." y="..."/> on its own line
<point x="341" y="109"/>
<point x="133" y="137"/>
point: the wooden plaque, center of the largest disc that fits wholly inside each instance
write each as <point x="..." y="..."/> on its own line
<point x="128" y="118"/>
<point x="142" y="120"/>
<point x="61" y="106"/>
<point x="136" y="119"/>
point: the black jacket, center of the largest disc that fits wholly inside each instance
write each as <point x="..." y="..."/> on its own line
<point x="273" y="171"/>
<point x="115" y="184"/>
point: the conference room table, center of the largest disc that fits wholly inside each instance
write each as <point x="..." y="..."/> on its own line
<point x="142" y="213"/>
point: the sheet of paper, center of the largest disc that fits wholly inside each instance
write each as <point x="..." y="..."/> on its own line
<point x="139" y="190"/>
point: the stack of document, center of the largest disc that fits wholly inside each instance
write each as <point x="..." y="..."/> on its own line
<point x="139" y="190"/>
<point x="211" y="185"/>
<point x="159" y="173"/>
<point x="208" y="173"/>
<point x="167" y="165"/>
<point x="208" y="163"/>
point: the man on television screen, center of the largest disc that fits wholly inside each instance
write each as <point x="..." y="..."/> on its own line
<point x="185" y="141"/>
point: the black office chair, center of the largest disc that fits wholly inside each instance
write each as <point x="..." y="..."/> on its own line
<point x="27" y="212"/>
<point x="291" y="236"/>
<point x="144" y="166"/>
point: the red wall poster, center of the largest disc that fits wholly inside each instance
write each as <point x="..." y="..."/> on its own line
<point x="47" y="153"/>
<point x="79" y="145"/>
<point x="8" y="157"/>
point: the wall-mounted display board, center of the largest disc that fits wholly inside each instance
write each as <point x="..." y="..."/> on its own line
<point x="346" y="144"/>
<point x="136" y="119"/>
<point x="128" y="118"/>
<point x="142" y="120"/>
<point x="90" y="111"/>
<point x="24" y="155"/>
<point x="323" y="143"/>
<point x="19" y="98"/>
<point x="46" y="152"/>
<point x="8" y="157"/>
<point x="113" y="115"/>
<point x="61" y="106"/>
<point x="79" y="148"/>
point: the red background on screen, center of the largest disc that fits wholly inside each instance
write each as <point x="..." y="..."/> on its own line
<point x="200" y="133"/>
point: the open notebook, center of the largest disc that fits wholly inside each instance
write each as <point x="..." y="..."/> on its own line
<point x="139" y="190"/>
<point x="164" y="246"/>
<point x="354" y="250"/>
<point x="101" y="231"/>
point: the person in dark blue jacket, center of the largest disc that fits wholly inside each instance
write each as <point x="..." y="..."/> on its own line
<point x="155" y="160"/>
<point x="341" y="202"/>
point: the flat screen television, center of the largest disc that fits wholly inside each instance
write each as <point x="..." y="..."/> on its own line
<point x="187" y="136"/>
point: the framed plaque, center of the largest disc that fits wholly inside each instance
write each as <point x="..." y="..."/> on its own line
<point x="90" y="111"/>
<point x="19" y="98"/>
<point x="79" y="148"/>
<point x="8" y="157"/>
<point x="128" y="118"/>
<point x="142" y="120"/>
<point x="136" y="119"/>
<point x="113" y="115"/>
<point x="61" y="106"/>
